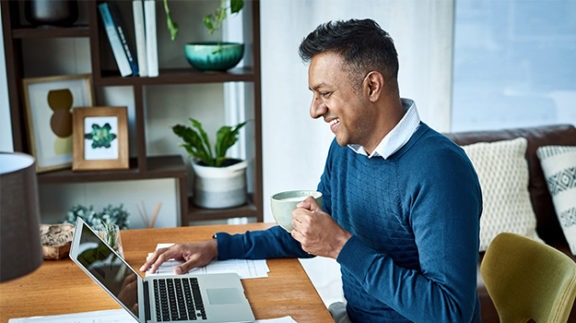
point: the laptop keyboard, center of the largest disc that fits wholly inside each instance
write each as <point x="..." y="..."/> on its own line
<point x="178" y="299"/>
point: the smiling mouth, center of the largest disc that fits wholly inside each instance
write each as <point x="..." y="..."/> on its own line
<point x="334" y="124"/>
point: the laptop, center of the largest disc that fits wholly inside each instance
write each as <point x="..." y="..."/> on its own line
<point x="207" y="298"/>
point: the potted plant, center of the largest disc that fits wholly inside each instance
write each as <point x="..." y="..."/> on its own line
<point x="220" y="181"/>
<point x="211" y="56"/>
<point x="110" y="215"/>
<point x="106" y="223"/>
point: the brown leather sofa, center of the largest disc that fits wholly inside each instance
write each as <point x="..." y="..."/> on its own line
<point x="548" y="227"/>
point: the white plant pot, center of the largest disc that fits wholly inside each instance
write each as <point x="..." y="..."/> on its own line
<point x="220" y="187"/>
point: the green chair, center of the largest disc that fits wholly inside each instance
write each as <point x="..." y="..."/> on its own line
<point x="528" y="281"/>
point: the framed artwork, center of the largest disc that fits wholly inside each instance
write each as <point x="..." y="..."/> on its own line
<point x="100" y="138"/>
<point x="49" y="102"/>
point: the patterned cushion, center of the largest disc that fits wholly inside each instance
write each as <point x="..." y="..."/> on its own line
<point x="503" y="174"/>
<point x="559" y="167"/>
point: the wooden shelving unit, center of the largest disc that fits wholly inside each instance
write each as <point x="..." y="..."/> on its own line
<point x="142" y="166"/>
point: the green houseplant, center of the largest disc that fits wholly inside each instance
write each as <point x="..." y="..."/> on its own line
<point x="197" y="142"/>
<point x="220" y="181"/>
<point x="212" y="22"/>
<point x="212" y="56"/>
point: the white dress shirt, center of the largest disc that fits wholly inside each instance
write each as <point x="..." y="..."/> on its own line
<point x="398" y="136"/>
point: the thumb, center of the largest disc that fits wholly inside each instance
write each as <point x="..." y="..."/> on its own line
<point x="309" y="204"/>
<point x="185" y="267"/>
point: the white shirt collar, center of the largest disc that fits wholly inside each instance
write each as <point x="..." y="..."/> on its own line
<point x="398" y="136"/>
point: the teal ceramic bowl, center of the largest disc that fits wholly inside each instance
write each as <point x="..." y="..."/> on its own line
<point x="213" y="56"/>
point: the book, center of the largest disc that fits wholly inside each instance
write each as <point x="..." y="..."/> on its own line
<point x="114" y="40"/>
<point x="151" y="40"/>
<point x="140" y="33"/>
<point x="117" y="19"/>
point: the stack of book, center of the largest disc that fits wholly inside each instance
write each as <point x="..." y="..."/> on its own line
<point x="145" y="62"/>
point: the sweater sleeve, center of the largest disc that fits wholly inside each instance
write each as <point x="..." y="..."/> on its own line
<point x="443" y="208"/>
<point x="272" y="243"/>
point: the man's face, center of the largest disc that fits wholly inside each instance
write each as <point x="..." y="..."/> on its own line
<point x="346" y="109"/>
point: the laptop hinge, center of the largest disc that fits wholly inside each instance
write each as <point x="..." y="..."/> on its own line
<point x="146" y="302"/>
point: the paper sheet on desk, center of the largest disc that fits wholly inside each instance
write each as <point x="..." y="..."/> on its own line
<point x="245" y="268"/>
<point x="108" y="316"/>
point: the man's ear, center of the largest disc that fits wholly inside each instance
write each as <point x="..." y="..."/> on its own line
<point x="373" y="85"/>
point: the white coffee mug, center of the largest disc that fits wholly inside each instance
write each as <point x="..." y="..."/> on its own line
<point x="285" y="202"/>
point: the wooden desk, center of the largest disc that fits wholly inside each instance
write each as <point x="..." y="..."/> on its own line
<point x="60" y="287"/>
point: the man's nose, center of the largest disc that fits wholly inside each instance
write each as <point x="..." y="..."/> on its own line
<point x="317" y="108"/>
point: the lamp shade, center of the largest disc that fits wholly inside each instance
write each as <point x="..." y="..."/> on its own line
<point x="20" y="247"/>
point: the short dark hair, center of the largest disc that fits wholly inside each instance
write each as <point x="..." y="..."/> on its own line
<point x="362" y="44"/>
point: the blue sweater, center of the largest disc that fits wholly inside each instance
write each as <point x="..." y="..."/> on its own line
<point x="414" y="220"/>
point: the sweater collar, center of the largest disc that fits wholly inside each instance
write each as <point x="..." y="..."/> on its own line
<point x="398" y="136"/>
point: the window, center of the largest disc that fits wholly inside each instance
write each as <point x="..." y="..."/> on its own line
<point x="514" y="64"/>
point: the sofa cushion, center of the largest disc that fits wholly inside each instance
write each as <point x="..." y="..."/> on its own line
<point x="559" y="166"/>
<point x="564" y="135"/>
<point x="503" y="174"/>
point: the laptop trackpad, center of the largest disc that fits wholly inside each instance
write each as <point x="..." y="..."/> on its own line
<point x="224" y="295"/>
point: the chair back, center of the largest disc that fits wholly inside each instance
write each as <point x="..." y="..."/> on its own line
<point x="527" y="280"/>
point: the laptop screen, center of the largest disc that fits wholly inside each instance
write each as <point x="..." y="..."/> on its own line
<point x="109" y="269"/>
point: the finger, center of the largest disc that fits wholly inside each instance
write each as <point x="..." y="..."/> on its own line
<point x="187" y="266"/>
<point x="306" y="203"/>
<point x="146" y="264"/>
<point x="298" y="218"/>
<point x="301" y="217"/>
<point x="152" y="259"/>
<point x="313" y="204"/>
<point x="295" y="234"/>
<point x="309" y="204"/>
<point x="160" y="260"/>
<point x="294" y="225"/>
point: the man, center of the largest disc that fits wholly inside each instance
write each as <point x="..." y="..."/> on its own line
<point x="401" y="202"/>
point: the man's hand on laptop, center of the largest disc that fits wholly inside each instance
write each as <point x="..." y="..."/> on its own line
<point x="195" y="254"/>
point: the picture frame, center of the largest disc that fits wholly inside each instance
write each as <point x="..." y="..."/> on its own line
<point x="48" y="103"/>
<point x="100" y="138"/>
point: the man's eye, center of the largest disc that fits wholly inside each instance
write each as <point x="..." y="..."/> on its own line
<point x="325" y="94"/>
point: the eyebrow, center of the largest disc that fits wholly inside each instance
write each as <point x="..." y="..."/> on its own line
<point x="316" y="87"/>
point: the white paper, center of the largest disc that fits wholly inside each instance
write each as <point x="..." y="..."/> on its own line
<point x="245" y="268"/>
<point x="108" y="316"/>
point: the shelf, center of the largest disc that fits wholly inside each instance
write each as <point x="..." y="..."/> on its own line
<point x="50" y="32"/>
<point x="200" y="214"/>
<point x="158" y="167"/>
<point x="178" y="76"/>
<point x="21" y="37"/>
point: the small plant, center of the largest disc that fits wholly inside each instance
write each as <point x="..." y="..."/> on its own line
<point x="212" y="22"/>
<point x="197" y="144"/>
<point x="108" y="216"/>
